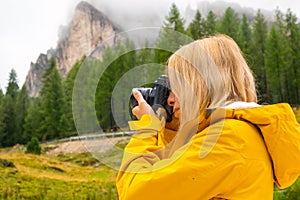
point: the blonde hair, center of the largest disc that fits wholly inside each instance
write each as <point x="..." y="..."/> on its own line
<point x="209" y="73"/>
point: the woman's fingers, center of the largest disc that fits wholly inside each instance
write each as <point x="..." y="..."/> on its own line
<point x="138" y="96"/>
<point x="143" y="107"/>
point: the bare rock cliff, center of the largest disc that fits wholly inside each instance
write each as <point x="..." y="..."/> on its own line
<point x="89" y="31"/>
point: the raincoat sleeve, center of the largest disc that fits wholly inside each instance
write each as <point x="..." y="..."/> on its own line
<point x="145" y="174"/>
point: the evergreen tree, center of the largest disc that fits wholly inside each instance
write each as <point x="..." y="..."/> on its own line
<point x="9" y="115"/>
<point x="174" y="21"/>
<point x="33" y="120"/>
<point x="195" y="28"/>
<point x="8" y="124"/>
<point x="145" y="55"/>
<point x="259" y="36"/>
<point x="2" y="125"/>
<point x="171" y="36"/>
<point x="34" y="146"/>
<point x="21" y="110"/>
<point x="286" y="69"/>
<point x="244" y="36"/>
<point x="105" y="101"/>
<point x="12" y="88"/>
<point x="53" y="104"/>
<point x="68" y="86"/>
<point x="229" y="23"/>
<point x="1" y="95"/>
<point x="275" y="62"/>
<point x="105" y="87"/>
<point x="293" y="35"/>
<point x="210" y="24"/>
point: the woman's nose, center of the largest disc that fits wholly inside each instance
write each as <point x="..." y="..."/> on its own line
<point x="171" y="99"/>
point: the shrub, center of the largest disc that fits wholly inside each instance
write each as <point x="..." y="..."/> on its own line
<point x="33" y="146"/>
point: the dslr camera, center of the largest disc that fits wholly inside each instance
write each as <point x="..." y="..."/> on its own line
<point x="156" y="97"/>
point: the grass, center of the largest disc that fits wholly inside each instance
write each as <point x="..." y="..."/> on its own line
<point x="41" y="177"/>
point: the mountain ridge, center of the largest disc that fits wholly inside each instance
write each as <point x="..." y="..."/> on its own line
<point x="88" y="30"/>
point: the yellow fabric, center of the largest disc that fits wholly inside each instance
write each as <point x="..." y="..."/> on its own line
<point x="147" y="122"/>
<point x="237" y="166"/>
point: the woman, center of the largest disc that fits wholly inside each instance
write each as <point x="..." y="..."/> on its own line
<point x="225" y="146"/>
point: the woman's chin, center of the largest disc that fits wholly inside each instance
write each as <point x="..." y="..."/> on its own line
<point x="176" y="114"/>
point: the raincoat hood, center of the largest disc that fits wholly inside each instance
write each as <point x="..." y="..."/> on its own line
<point x="281" y="133"/>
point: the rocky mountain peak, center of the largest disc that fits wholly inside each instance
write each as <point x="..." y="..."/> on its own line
<point x="88" y="30"/>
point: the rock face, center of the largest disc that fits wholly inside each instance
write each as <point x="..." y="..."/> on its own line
<point x="89" y="32"/>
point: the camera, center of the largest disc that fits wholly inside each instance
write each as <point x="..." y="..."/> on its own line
<point x="156" y="97"/>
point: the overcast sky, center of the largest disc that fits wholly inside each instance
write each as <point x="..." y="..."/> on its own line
<point x="30" y="27"/>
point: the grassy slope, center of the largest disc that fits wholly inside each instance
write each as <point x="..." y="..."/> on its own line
<point x="40" y="177"/>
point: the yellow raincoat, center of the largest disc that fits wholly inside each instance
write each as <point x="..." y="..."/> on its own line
<point x="237" y="154"/>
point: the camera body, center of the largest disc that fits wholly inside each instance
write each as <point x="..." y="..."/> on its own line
<point x="156" y="96"/>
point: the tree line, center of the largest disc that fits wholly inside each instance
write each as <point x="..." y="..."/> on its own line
<point x="272" y="50"/>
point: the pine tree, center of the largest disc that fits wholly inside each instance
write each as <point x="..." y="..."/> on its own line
<point x="229" y="23"/>
<point x="286" y="69"/>
<point x="145" y="55"/>
<point x="171" y="36"/>
<point x="34" y="146"/>
<point x="2" y="125"/>
<point x="275" y="61"/>
<point x="33" y="120"/>
<point x="1" y="95"/>
<point x="68" y="86"/>
<point x="293" y="35"/>
<point x="106" y="101"/>
<point x="22" y="104"/>
<point x="195" y="28"/>
<point x="52" y="104"/>
<point x="210" y="24"/>
<point x="174" y="21"/>
<point x="244" y="36"/>
<point x="259" y="37"/>
<point x="105" y="86"/>
<point x="12" y="88"/>
<point x="9" y="114"/>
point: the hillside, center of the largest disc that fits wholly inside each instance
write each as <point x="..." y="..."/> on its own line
<point x="61" y="175"/>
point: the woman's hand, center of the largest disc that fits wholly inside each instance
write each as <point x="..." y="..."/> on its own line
<point x="143" y="107"/>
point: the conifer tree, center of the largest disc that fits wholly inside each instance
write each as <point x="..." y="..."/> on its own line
<point x="275" y="60"/>
<point x="2" y="125"/>
<point x="33" y="120"/>
<point x="244" y="36"/>
<point x="33" y="146"/>
<point x="9" y="115"/>
<point x="210" y="24"/>
<point x="170" y="37"/>
<point x="174" y="21"/>
<point x="12" y="88"/>
<point x="1" y="95"/>
<point x="293" y="35"/>
<point x="229" y="23"/>
<point x="145" y="55"/>
<point x="52" y="104"/>
<point x="68" y="86"/>
<point x="286" y="74"/>
<point x="105" y="101"/>
<point x="259" y="36"/>
<point x="195" y="28"/>
<point x="21" y="112"/>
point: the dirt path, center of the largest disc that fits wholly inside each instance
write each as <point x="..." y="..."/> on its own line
<point x="82" y="146"/>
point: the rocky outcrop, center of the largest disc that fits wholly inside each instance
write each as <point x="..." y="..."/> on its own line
<point x="34" y="77"/>
<point x="89" y="31"/>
